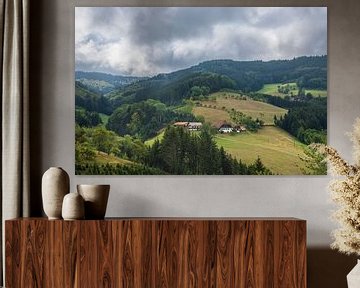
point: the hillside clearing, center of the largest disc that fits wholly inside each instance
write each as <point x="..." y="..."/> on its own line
<point x="316" y="92"/>
<point x="278" y="150"/>
<point x="103" y="158"/>
<point x="211" y="115"/>
<point x="224" y="101"/>
<point x="159" y="137"/>
<point x="104" y="118"/>
<point x="272" y="89"/>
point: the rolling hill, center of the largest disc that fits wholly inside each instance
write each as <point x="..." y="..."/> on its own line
<point x="247" y="76"/>
<point x="141" y="108"/>
<point x="278" y="150"/>
<point x="225" y="101"/>
<point x="91" y="101"/>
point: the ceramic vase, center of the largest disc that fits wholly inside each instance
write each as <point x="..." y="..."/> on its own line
<point x="73" y="207"/>
<point x="55" y="185"/>
<point x="353" y="278"/>
<point x="96" y="198"/>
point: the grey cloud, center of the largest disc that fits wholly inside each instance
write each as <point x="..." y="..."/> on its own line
<point x="152" y="25"/>
<point x="280" y="17"/>
<point x="309" y="37"/>
<point x="103" y="16"/>
<point x="153" y="35"/>
<point x="96" y="38"/>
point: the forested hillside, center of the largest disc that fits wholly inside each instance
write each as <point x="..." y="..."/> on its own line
<point x="247" y="76"/>
<point x="125" y="125"/>
<point x="103" y="82"/>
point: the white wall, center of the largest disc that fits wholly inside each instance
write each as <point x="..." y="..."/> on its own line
<point x="302" y="196"/>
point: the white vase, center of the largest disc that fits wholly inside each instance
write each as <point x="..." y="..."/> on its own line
<point x="73" y="207"/>
<point x="96" y="198"/>
<point x="55" y="185"/>
<point x="353" y="278"/>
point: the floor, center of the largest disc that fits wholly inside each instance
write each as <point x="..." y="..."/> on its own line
<point x="328" y="268"/>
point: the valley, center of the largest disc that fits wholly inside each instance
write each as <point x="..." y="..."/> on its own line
<point x="244" y="124"/>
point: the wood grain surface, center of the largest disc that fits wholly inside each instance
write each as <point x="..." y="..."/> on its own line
<point x="157" y="253"/>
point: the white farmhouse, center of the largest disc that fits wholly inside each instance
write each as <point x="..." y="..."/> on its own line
<point x="224" y="127"/>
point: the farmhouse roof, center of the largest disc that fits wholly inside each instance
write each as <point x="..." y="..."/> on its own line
<point x="182" y="124"/>
<point x="240" y="128"/>
<point x="222" y="124"/>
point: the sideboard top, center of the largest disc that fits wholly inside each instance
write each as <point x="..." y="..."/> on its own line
<point x="174" y="219"/>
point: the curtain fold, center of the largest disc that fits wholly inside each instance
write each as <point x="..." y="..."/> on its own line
<point x="15" y="165"/>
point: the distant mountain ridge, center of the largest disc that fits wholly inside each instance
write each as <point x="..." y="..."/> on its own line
<point x="306" y="67"/>
<point x="248" y="76"/>
<point x="103" y="82"/>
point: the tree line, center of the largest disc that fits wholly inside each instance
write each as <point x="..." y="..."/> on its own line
<point x="179" y="152"/>
<point x="144" y="119"/>
<point x="307" y="122"/>
<point x="185" y="153"/>
<point x="307" y="71"/>
<point x="86" y="118"/>
<point x="91" y="101"/>
<point x="115" y="169"/>
<point x="169" y="90"/>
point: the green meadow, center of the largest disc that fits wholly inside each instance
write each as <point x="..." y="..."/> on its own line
<point x="103" y="158"/>
<point x="278" y="150"/>
<point x="216" y="109"/>
<point x="272" y="89"/>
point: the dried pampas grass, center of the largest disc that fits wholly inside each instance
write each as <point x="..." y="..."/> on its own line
<point x="345" y="192"/>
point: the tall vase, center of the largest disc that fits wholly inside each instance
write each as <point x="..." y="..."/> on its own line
<point x="55" y="185"/>
<point x="353" y="278"/>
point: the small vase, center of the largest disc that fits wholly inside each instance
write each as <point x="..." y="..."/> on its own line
<point x="353" y="278"/>
<point x="73" y="207"/>
<point x="55" y="185"/>
<point x="96" y="198"/>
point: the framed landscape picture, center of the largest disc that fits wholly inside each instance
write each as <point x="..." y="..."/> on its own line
<point x="200" y="90"/>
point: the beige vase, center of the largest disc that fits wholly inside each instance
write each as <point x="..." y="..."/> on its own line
<point x="73" y="207"/>
<point x="55" y="185"/>
<point x="96" y="198"/>
<point x="353" y="278"/>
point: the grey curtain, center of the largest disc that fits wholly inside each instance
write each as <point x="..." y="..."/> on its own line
<point x="14" y="38"/>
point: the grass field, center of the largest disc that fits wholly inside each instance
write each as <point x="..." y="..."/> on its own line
<point x="160" y="136"/>
<point x="151" y="141"/>
<point x="211" y="115"/>
<point x="278" y="150"/>
<point x="104" y="118"/>
<point x="272" y="89"/>
<point x="187" y="108"/>
<point x="228" y="101"/>
<point x="103" y="158"/>
<point x="315" y="92"/>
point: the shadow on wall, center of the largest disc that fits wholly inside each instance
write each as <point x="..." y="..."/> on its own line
<point x="35" y="106"/>
<point x="139" y="207"/>
<point x="328" y="268"/>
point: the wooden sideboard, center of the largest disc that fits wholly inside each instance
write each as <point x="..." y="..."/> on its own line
<point x="156" y="252"/>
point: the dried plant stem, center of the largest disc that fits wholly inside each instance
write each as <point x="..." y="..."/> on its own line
<point x="345" y="192"/>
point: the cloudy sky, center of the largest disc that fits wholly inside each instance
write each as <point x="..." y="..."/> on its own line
<point x="148" y="41"/>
